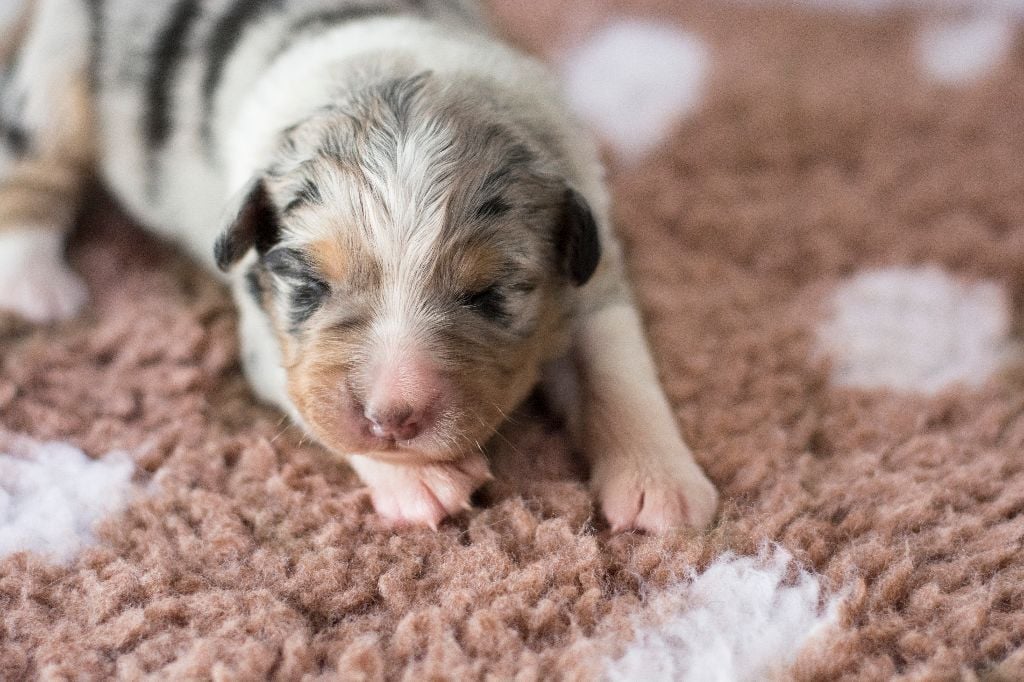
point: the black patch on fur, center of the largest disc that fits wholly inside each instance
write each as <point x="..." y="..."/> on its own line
<point x="488" y="303"/>
<point x="225" y="37"/>
<point x="170" y="50"/>
<point x="515" y="157"/>
<point x="308" y="193"/>
<point x="493" y="208"/>
<point x="579" y="247"/>
<point x="256" y="226"/>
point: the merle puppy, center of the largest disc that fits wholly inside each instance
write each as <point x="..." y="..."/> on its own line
<point x="415" y="229"/>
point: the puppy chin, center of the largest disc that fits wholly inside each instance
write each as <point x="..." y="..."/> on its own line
<point x="424" y="449"/>
<point x="410" y="453"/>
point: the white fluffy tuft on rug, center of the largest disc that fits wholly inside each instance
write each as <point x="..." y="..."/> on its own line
<point x="917" y="329"/>
<point x="52" y="495"/>
<point x="744" y="618"/>
<point x="960" y="52"/>
<point x="633" y="80"/>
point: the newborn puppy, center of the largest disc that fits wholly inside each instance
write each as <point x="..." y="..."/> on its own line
<point x="416" y="232"/>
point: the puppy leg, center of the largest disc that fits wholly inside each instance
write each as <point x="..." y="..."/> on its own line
<point x="644" y="474"/>
<point x="421" y="494"/>
<point x="35" y="213"/>
<point x="44" y="153"/>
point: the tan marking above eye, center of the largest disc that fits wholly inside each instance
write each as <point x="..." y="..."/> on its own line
<point x="477" y="267"/>
<point x="331" y="258"/>
<point x="344" y="260"/>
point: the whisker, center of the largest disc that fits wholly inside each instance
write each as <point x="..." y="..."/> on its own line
<point x="496" y="431"/>
<point x="502" y="412"/>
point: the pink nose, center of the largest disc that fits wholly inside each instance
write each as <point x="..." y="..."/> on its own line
<point x="397" y="422"/>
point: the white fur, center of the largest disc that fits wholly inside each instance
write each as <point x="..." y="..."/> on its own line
<point x="634" y="80"/>
<point x="405" y="229"/>
<point x="195" y="212"/>
<point x="644" y="474"/>
<point x="261" y="354"/>
<point x="958" y="52"/>
<point x="742" y="619"/>
<point x="10" y="10"/>
<point x="279" y="99"/>
<point x="35" y="281"/>
<point x="917" y="329"/>
<point x="52" y="496"/>
<point x="51" y="63"/>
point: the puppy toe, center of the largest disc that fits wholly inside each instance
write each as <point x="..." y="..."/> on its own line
<point x="452" y="484"/>
<point x="621" y="500"/>
<point x="411" y="506"/>
<point x="658" y="502"/>
<point x="425" y="495"/>
<point x="676" y="505"/>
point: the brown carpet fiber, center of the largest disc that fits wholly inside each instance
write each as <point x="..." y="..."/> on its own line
<point x="819" y="150"/>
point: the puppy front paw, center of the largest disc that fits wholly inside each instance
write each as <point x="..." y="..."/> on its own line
<point x="655" y="497"/>
<point x="424" y="494"/>
<point x="35" y="282"/>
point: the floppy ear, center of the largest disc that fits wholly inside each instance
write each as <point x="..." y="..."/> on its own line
<point x="255" y="226"/>
<point x="579" y="247"/>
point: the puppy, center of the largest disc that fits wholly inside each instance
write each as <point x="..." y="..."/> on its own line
<point x="414" y="228"/>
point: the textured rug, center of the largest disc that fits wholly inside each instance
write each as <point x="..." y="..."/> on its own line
<point x="824" y="209"/>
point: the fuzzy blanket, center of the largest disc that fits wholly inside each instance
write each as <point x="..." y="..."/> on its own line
<point x="828" y="246"/>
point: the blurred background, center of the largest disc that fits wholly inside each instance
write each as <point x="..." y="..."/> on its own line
<point x="633" y="66"/>
<point x="872" y="147"/>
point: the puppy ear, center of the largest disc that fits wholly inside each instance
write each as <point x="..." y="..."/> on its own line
<point x="256" y="225"/>
<point x="579" y="246"/>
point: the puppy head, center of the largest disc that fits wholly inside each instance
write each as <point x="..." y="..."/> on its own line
<point x="413" y="253"/>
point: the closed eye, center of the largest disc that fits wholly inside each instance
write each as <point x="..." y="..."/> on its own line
<point x="306" y="299"/>
<point x="488" y="303"/>
<point x="306" y="291"/>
